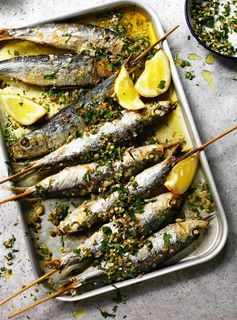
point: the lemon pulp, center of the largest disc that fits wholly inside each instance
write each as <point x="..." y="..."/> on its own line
<point x="21" y="109"/>
<point x="181" y="176"/>
<point x="127" y="96"/>
<point x="156" y="76"/>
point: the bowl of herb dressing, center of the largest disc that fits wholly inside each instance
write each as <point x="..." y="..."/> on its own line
<point x="214" y="24"/>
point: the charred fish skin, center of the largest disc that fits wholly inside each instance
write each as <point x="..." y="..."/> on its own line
<point x="65" y="124"/>
<point x="157" y="250"/>
<point x="75" y="37"/>
<point x="60" y="70"/>
<point x="119" y="132"/>
<point x="157" y="213"/>
<point x="101" y="210"/>
<point x="84" y="179"/>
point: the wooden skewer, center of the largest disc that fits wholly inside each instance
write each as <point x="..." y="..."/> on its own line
<point x="21" y="173"/>
<point x="53" y="295"/>
<point x="17" y="197"/>
<point x="28" y="286"/>
<point x="200" y="148"/>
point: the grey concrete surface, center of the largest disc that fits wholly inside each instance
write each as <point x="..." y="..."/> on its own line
<point x="205" y="292"/>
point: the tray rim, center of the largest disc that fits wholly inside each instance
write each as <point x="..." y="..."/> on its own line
<point x="192" y="130"/>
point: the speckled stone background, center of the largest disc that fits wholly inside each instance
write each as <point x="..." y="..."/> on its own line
<point x="205" y="292"/>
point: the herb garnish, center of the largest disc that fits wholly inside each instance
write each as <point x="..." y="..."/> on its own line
<point x="167" y="237"/>
<point x="189" y="74"/>
<point x="161" y="85"/>
<point x="214" y="23"/>
<point x="49" y="76"/>
<point x="16" y="53"/>
<point x="106" y="314"/>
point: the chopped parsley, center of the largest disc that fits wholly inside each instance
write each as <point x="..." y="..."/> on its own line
<point x="118" y="298"/>
<point x="58" y="214"/>
<point x="106" y="314"/>
<point x="161" y="85"/>
<point x="16" y="53"/>
<point x="179" y="62"/>
<point x="167" y="237"/>
<point x="49" y="76"/>
<point x="189" y="74"/>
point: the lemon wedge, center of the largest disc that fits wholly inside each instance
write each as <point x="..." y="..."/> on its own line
<point x="181" y="176"/>
<point x="21" y="109"/>
<point x="127" y="96"/>
<point x="156" y="76"/>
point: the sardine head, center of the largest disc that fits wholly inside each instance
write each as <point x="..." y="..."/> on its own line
<point x="195" y="228"/>
<point x="30" y="146"/>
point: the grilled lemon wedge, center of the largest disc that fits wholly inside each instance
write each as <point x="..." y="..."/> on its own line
<point x="181" y="176"/>
<point x="21" y="109"/>
<point x="156" y="76"/>
<point x="127" y="96"/>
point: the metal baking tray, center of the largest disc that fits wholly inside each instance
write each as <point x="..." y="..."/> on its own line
<point x="216" y="236"/>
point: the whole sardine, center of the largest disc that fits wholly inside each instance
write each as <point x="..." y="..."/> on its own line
<point x="158" y="248"/>
<point x="70" y="36"/>
<point x="116" y="133"/>
<point x="145" y="185"/>
<point x="83" y="179"/>
<point x="56" y="70"/>
<point x="64" y="125"/>
<point x="156" y="214"/>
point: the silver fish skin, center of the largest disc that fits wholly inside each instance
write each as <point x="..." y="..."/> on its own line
<point x="150" y="256"/>
<point x="100" y="210"/>
<point x="84" y="179"/>
<point x="64" y="125"/>
<point x="59" y="70"/>
<point x="75" y="37"/>
<point x="119" y="132"/>
<point x="157" y="213"/>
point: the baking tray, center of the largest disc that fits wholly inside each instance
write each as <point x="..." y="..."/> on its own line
<point x="216" y="237"/>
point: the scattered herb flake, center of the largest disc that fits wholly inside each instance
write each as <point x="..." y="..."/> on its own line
<point x="167" y="237"/>
<point x="106" y="314"/>
<point x="189" y="74"/>
<point x="49" y="76"/>
<point x="161" y="85"/>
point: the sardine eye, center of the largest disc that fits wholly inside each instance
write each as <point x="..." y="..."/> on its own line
<point x="157" y="111"/>
<point x="195" y="232"/>
<point x="151" y="155"/>
<point x="25" y="142"/>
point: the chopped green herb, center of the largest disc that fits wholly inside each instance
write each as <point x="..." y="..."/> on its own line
<point x="167" y="237"/>
<point x="62" y="241"/>
<point x="16" y="53"/>
<point x="118" y="298"/>
<point x="180" y="62"/>
<point x="161" y="85"/>
<point x="106" y="314"/>
<point x="49" y="76"/>
<point x="190" y="75"/>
